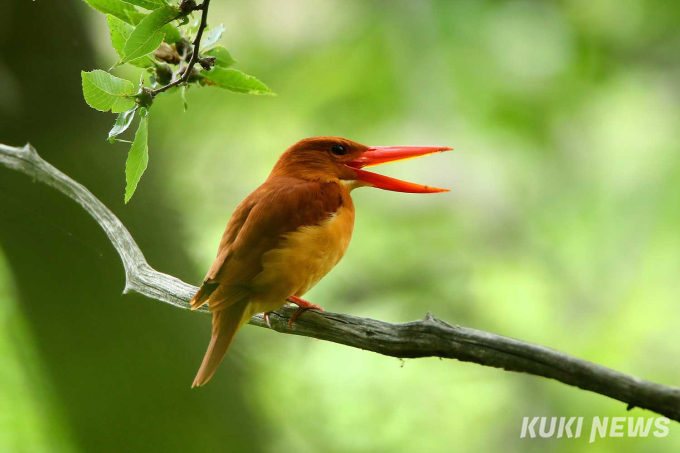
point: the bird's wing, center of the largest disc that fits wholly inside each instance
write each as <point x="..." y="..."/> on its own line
<point x="238" y="218"/>
<point x="279" y="206"/>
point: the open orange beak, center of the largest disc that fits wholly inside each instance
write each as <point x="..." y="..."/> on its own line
<point x="378" y="155"/>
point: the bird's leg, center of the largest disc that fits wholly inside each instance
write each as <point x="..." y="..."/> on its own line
<point x="302" y="306"/>
<point x="265" y="315"/>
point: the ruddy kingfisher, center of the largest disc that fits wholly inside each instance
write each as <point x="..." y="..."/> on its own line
<point x="290" y="232"/>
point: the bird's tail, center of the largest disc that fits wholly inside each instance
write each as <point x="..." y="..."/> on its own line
<point x="226" y="323"/>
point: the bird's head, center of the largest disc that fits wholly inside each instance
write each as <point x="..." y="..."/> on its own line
<point x="338" y="159"/>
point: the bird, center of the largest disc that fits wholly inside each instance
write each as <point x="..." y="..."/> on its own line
<point x="290" y="232"/>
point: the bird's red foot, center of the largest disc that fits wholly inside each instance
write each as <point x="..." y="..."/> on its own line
<point x="265" y="315"/>
<point x="302" y="306"/>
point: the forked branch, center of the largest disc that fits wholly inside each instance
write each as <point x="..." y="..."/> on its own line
<point x="428" y="337"/>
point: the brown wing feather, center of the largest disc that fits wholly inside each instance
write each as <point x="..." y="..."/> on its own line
<point x="279" y="206"/>
<point x="235" y="224"/>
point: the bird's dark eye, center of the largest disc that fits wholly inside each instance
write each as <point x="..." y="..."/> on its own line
<point x="339" y="150"/>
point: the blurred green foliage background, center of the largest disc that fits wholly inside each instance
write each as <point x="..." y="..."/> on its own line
<point x="561" y="227"/>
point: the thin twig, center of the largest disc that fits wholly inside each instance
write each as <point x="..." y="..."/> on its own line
<point x="428" y="337"/>
<point x="196" y="49"/>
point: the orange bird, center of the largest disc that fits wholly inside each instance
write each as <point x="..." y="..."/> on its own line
<point x="290" y="232"/>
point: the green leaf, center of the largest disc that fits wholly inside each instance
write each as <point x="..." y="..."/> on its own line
<point x="147" y="4"/>
<point x="104" y="92"/>
<point x="233" y="80"/>
<point x="120" y="32"/>
<point x="116" y="8"/>
<point x="172" y="34"/>
<point x="222" y="56"/>
<point x="147" y="36"/>
<point x="214" y="36"/>
<point x="122" y="124"/>
<point x="138" y="157"/>
<point x="134" y="16"/>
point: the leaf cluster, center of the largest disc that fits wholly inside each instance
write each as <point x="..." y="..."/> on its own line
<point x="160" y="38"/>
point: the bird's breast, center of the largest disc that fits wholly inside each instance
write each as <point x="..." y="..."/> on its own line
<point x="304" y="257"/>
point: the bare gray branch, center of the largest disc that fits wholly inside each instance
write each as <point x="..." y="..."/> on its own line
<point x="428" y="337"/>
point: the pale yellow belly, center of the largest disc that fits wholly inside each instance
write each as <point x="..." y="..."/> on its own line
<point x="302" y="259"/>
